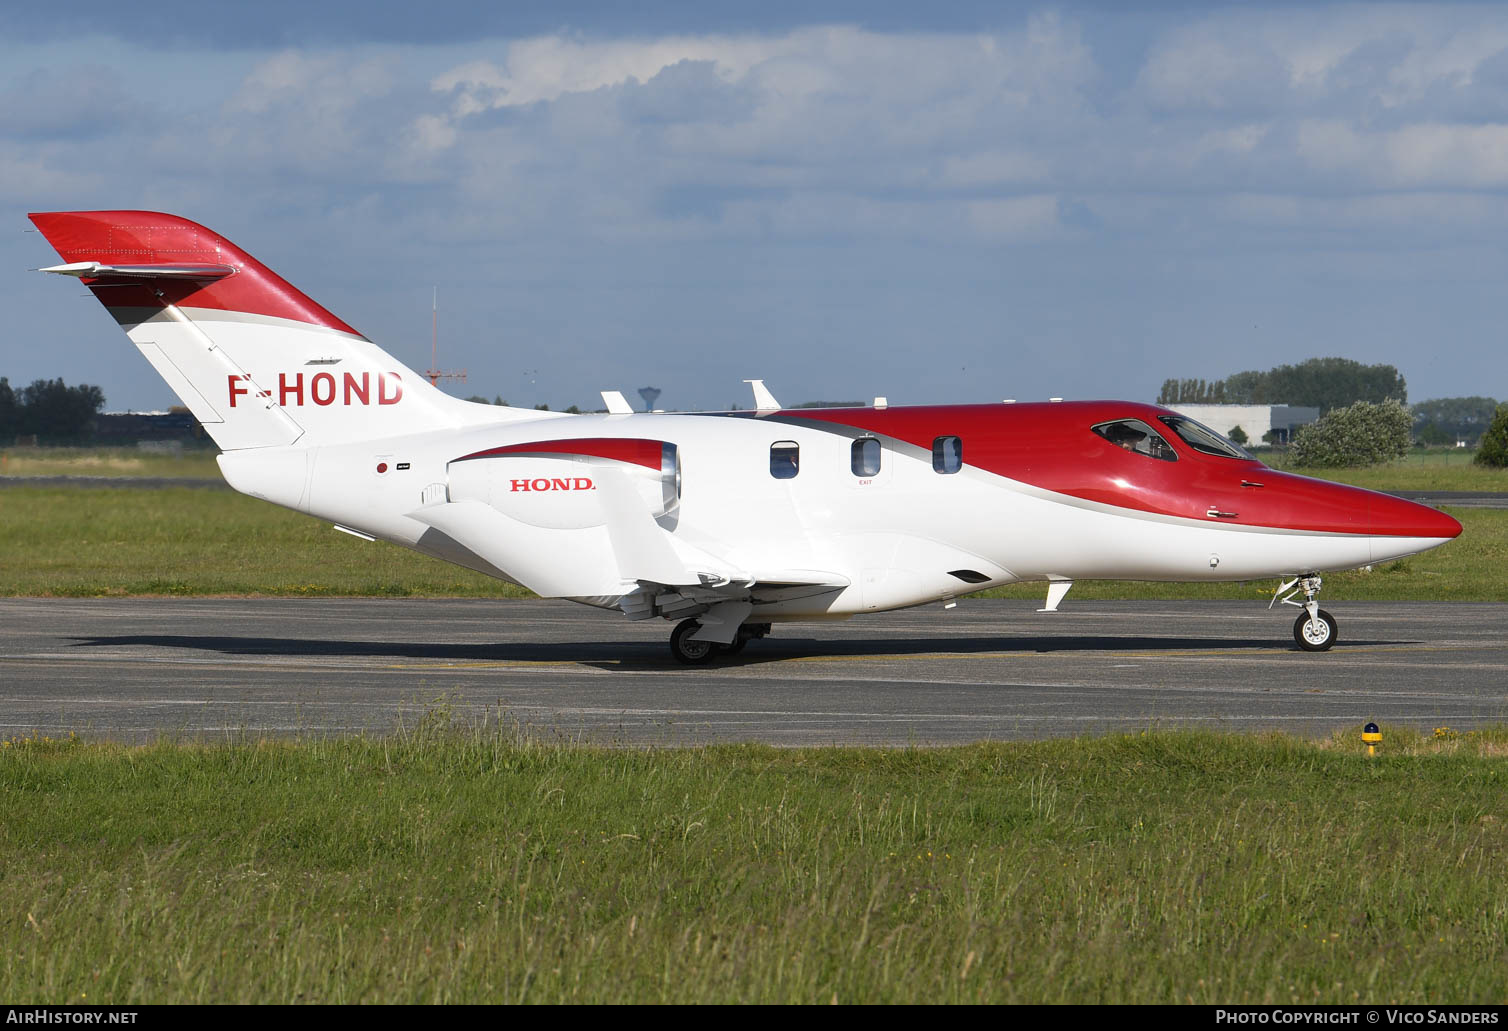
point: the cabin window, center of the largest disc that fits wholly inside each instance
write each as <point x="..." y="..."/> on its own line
<point x="785" y="459"/>
<point x="1201" y="438"/>
<point x="947" y="454"/>
<point x="1135" y="435"/>
<point x="865" y="458"/>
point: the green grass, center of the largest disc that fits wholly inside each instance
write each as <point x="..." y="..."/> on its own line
<point x="447" y="865"/>
<point x="1443" y="469"/>
<point x="195" y="463"/>
<point x="62" y="541"/>
<point x="83" y="542"/>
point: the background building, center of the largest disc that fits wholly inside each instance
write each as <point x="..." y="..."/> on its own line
<point x="1256" y="421"/>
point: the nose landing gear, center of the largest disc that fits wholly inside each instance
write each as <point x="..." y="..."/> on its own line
<point x="1316" y="629"/>
<point x="1315" y="633"/>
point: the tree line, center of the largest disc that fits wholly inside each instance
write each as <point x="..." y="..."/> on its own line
<point x="1446" y="420"/>
<point x="49" y="409"/>
<point x="1322" y="383"/>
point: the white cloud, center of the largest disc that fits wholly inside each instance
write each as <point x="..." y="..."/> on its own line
<point x="1422" y="155"/>
<point x="1014" y="218"/>
<point x="994" y="168"/>
<point x="325" y="82"/>
<point x="1388" y="56"/>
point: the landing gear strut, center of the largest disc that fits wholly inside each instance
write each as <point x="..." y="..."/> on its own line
<point x="699" y="653"/>
<point x="1315" y="630"/>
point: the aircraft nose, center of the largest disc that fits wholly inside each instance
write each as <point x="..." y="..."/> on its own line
<point x="1400" y="528"/>
<point x="1399" y="517"/>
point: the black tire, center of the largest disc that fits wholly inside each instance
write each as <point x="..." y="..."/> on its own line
<point x="1321" y="637"/>
<point x="734" y="648"/>
<point x="687" y="651"/>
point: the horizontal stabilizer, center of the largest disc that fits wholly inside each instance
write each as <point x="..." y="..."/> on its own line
<point x="96" y="270"/>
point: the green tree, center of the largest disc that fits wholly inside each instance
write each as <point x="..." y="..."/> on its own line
<point x="1448" y="419"/>
<point x="1322" y="383"/>
<point x="1494" y="448"/>
<point x="55" y="411"/>
<point x="1247" y="388"/>
<point x="1239" y="436"/>
<point x="1359" y="434"/>
<point x="10" y="415"/>
<point x="1432" y="435"/>
<point x="1191" y="392"/>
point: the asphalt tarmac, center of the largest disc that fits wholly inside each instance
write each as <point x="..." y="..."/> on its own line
<point x="211" y="669"/>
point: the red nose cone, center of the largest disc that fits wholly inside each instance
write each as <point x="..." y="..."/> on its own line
<point x="1301" y="503"/>
<point x="1395" y="517"/>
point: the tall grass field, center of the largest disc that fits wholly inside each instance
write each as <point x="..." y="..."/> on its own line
<point x="475" y="865"/>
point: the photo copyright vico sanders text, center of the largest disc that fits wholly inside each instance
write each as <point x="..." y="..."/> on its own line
<point x="1378" y="1015"/>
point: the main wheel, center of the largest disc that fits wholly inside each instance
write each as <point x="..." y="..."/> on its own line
<point x="1315" y="635"/>
<point x="685" y="650"/>
<point x="734" y="648"/>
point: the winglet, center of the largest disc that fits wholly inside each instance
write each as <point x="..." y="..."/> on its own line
<point x="764" y="401"/>
<point x="616" y="404"/>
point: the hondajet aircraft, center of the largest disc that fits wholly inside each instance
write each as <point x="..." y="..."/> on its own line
<point x="726" y="522"/>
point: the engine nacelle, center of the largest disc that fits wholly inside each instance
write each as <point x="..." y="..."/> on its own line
<point x="554" y="484"/>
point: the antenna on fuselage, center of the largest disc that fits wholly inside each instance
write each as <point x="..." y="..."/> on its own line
<point x="764" y="401"/>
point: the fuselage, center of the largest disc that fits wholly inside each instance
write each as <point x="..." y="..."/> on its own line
<point x="894" y="506"/>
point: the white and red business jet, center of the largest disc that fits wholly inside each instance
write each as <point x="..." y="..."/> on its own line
<point x="725" y="521"/>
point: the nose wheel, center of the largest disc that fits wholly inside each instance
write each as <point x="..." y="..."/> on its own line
<point x="1315" y="633"/>
<point x="1315" y="630"/>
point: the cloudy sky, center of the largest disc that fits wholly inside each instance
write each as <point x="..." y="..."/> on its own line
<point x="847" y="199"/>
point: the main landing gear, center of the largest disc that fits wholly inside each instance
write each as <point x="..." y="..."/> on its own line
<point x="699" y="653"/>
<point x="1315" y="630"/>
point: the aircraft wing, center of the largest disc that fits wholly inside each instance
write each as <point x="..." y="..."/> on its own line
<point x="650" y="599"/>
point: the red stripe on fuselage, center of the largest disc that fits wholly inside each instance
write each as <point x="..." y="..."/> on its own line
<point x="1052" y="446"/>
<point x="153" y="238"/>
<point x="618" y="449"/>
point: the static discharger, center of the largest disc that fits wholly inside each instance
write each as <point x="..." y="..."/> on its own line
<point x="1372" y="736"/>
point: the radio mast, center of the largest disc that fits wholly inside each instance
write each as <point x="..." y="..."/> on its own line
<point x="434" y="372"/>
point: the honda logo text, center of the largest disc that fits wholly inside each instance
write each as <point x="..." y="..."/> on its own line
<point x="572" y="483"/>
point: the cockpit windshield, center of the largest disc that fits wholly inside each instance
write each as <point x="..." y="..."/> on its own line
<point x="1135" y="435"/>
<point x="1201" y="438"/>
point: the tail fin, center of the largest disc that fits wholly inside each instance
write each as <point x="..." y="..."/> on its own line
<point x="256" y="361"/>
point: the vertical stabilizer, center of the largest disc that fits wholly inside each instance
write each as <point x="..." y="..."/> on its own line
<point x="256" y="361"/>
